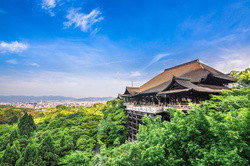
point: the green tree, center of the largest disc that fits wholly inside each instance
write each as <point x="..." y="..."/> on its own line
<point x="24" y="142"/>
<point x="76" y="159"/>
<point x="66" y="144"/>
<point x="108" y="132"/>
<point x="112" y="128"/>
<point x="29" y="156"/>
<point x="86" y="143"/>
<point x="10" y="156"/>
<point x="13" y="120"/>
<point x="13" y="137"/>
<point x="243" y="77"/>
<point x="26" y="125"/>
<point x="228" y="100"/>
<point x="47" y="151"/>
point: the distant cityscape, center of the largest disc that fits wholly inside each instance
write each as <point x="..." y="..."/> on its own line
<point x="45" y="105"/>
<point x="45" y="102"/>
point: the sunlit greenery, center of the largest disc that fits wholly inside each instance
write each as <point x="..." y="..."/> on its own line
<point x="216" y="134"/>
<point x="61" y="135"/>
<point x="243" y="77"/>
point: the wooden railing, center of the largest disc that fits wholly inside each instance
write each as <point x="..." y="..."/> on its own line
<point x="147" y="109"/>
<point x="155" y="109"/>
<point x="182" y="107"/>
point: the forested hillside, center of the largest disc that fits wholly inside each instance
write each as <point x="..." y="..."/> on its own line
<point x="216" y="134"/>
<point x="61" y="135"/>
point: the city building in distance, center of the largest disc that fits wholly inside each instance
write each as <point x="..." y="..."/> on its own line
<point x="43" y="106"/>
<point x="175" y="87"/>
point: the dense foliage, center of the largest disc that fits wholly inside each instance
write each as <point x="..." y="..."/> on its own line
<point x="243" y="77"/>
<point x="61" y="135"/>
<point x="112" y="130"/>
<point x="217" y="134"/>
<point x="10" y="114"/>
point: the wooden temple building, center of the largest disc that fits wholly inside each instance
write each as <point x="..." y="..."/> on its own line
<point x="174" y="87"/>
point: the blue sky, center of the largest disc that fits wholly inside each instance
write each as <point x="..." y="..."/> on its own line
<point x="87" y="48"/>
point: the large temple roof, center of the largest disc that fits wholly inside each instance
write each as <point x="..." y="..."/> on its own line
<point x="194" y="73"/>
<point x="195" y="70"/>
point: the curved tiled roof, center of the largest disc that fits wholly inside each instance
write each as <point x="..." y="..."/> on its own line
<point x="168" y="74"/>
<point x="132" y="90"/>
<point x="195" y="71"/>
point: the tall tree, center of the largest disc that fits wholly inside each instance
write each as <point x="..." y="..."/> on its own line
<point x="26" y="125"/>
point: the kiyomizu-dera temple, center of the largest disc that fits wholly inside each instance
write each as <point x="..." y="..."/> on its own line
<point x="174" y="87"/>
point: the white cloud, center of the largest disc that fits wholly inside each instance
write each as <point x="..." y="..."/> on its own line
<point x="135" y="74"/>
<point x="94" y="32"/>
<point x="218" y="40"/>
<point x="49" y="5"/>
<point x="157" y="58"/>
<point x="81" y="20"/>
<point x="34" y="64"/>
<point x="232" y="59"/>
<point x="11" y="61"/>
<point x="72" y="67"/>
<point x="129" y="75"/>
<point x="13" y="47"/>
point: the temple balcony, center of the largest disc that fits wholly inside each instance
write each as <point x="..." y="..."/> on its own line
<point x="146" y="109"/>
<point x="181" y="107"/>
<point x="155" y="109"/>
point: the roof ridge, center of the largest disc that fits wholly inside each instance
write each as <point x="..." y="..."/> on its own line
<point x="196" y="60"/>
<point x="132" y="87"/>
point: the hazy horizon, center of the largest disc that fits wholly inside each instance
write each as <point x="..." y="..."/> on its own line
<point x="94" y="48"/>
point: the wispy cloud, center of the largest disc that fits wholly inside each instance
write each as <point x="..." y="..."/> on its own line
<point x="198" y="25"/>
<point x="64" y="84"/>
<point x="49" y="5"/>
<point x="157" y="58"/>
<point x="97" y="54"/>
<point x="34" y="64"/>
<point x="13" y="47"/>
<point x="136" y="74"/>
<point x="232" y="59"/>
<point x="11" y="61"/>
<point x="129" y="74"/>
<point x="95" y="31"/>
<point x="71" y="67"/>
<point x="218" y="40"/>
<point x="81" y="20"/>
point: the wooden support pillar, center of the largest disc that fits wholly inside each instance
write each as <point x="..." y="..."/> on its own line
<point x="158" y="99"/>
